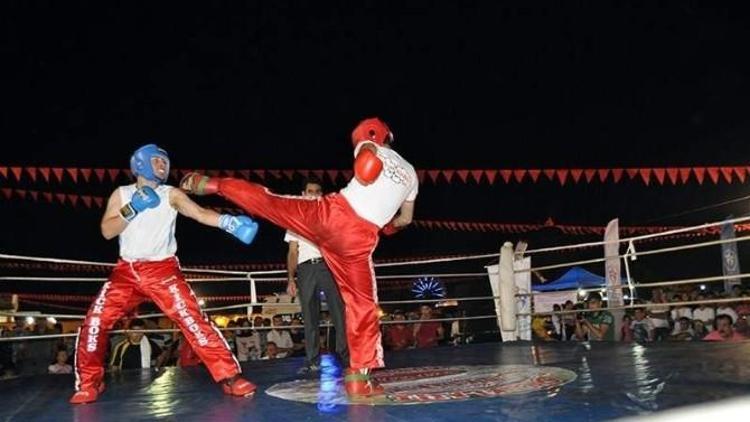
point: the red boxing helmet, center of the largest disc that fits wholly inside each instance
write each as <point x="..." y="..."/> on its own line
<point x="374" y="130"/>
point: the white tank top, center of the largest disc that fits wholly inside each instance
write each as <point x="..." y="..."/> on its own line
<point x="379" y="201"/>
<point x="150" y="236"/>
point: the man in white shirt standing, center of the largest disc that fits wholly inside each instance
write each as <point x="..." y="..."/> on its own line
<point x="346" y="227"/>
<point x="312" y="276"/>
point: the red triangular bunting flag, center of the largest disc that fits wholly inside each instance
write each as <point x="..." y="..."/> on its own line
<point x="7" y="192"/>
<point x="463" y="175"/>
<point x="506" y="175"/>
<point x="550" y="173"/>
<point x="433" y="175"/>
<point x="113" y="173"/>
<point x="304" y="173"/>
<point x="673" y="174"/>
<point x="99" y="201"/>
<point x="86" y="200"/>
<point x="58" y="172"/>
<point x="47" y="196"/>
<point x="60" y="197"/>
<point x="289" y="174"/>
<point x="713" y="172"/>
<point x="319" y="173"/>
<point x="589" y="174"/>
<point x="562" y="176"/>
<point x="420" y="176"/>
<point x="21" y="193"/>
<point x="659" y="173"/>
<point x="616" y="175"/>
<point x="685" y="175"/>
<point x="275" y="173"/>
<point x="260" y="173"/>
<point x="230" y="173"/>
<point x="700" y="173"/>
<point x="477" y="175"/>
<point x="518" y="175"/>
<point x="576" y="174"/>
<point x="87" y="174"/>
<point x="632" y="173"/>
<point x="348" y="174"/>
<point x="491" y="175"/>
<point x="73" y="199"/>
<point x="645" y="175"/>
<point x="32" y="173"/>
<point x="740" y="172"/>
<point x="17" y="172"/>
<point x="603" y="173"/>
<point x="448" y="174"/>
<point x="534" y="173"/>
<point x="4" y="171"/>
<point x="727" y="172"/>
<point x="213" y="173"/>
<point x="100" y="174"/>
<point x="73" y="172"/>
<point x="332" y="174"/>
<point x="34" y="194"/>
<point x="245" y="174"/>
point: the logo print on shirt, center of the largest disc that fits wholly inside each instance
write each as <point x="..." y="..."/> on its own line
<point x="395" y="172"/>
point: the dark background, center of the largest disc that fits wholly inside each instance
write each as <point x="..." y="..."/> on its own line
<point x="472" y="84"/>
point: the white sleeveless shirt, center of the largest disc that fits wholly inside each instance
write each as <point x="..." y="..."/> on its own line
<point x="150" y="236"/>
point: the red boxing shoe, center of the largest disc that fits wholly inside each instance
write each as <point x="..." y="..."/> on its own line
<point x="239" y="387"/>
<point x="359" y="384"/>
<point x="198" y="184"/>
<point x="87" y="395"/>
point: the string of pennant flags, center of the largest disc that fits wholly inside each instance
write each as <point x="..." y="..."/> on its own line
<point x="647" y="175"/>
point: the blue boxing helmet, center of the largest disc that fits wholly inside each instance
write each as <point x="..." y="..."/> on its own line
<point x="140" y="162"/>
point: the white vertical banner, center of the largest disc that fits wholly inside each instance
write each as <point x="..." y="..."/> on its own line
<point x="729" y="260"/>
<point x="612" y="272"/>
<point x="522" y="281"/>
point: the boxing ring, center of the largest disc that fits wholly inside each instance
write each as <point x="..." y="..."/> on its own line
<point x="512" y="380"/>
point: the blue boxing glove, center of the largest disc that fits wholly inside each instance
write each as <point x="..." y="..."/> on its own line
<point x="240" y="226"/>
<point x="143" y="199"/>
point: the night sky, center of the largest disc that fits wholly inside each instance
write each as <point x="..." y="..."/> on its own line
<point x="471" y="84"/>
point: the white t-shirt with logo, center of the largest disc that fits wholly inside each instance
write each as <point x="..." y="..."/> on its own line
<point x="150" y="236"/>
<point x="379" y="201"/>
<point x="306" y="250"/>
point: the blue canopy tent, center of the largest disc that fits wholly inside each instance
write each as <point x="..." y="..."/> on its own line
<point x="575" y="278"/>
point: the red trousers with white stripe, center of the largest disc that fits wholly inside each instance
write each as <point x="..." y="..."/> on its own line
<point x="346" y="242"/>
<point x="129" y="285"/>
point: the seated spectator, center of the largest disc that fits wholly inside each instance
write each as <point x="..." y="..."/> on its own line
<point x="280" y="337"/>
<point x="557" y="323"/>
<point x="60" y="365"/>
<point x="399" y="336"/>
<point x="596" y="325"/>
<point x="724" y="330"/>
<point x="726" y="309"/>
<point x="298" y="337"/>
<point x="248" y="342"/>
<point x="704" y="313"/>
<point x="683" y="310"/>
<point x="643" y="329"/>
<point x="683" y="330"/>
<point x="569" y="321"/>
<point x="659" y="315"/>
<point x="137" y="350"/>
<point x="626" y="331"/>
<point x="427" y="334"/>
<point x="540" y="327"/>
<point x="272" y="352"/>
<point x="699" y="329"/>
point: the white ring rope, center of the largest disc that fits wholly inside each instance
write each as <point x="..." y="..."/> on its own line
<point x="642" y="305"/>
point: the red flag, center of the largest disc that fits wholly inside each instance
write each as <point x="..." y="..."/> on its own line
<point x="4" y="171"/>
<point x="58" y="172"/>
<point x="617" y="175"/>
<point x="632" y="173"/>
<point x="463" y="175"/>
<point x="230" y="173"/>
<point x="477" y="174"/>
<point x="490" y="175"/>
<point x="603" y="173"/>
<point x="589" y="175"/>
<point x="506" y="174"/>
<point x="420" y="176"/>
<point x="245" y="174"/>
<point x="21" y="193"/>
<point x="518" y="175"/>
<point x="332" y="174"/>
<point x="86" y="172"/>
<point x="660" y="173"/>
<point x="433" y="175"/>
<point x="713" y="172"/>
<point x="73" y="172"/>
<point x="289" y="174"/>
<point x="86" y="200"/>
<point x="319" y="173"/>
<point x="100" y="174"/>
<point x="113" y="174"/>
<point x="60" y="197"/>
<point x="700" y="173"/>
<point x="727" y="172"/>
<point x="213" y="173"/>
<point x="260" y="173"/>
<point x="740" y="172"/>
<point x="673" y="174"/>
<point x="534" y="173"/>
<point x="73" y="199"/>
<point x="17" y="172"/>
<point x="562" y="176"/>
<point x="448" y="174"/>
<point x="47" y="196"/>
<point x="34" y="194"/>
<point x="7" y="192"/>
<point x="576" y="174"/>
<point x="276" y="173"/>
<point x="645" y="175"/>
<point x="348" y="174"/>
<point x="550" y="173"/>
<point x="32" y="173"/>
<point x="99" y="201"/>
<point x="685" y="174"/>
